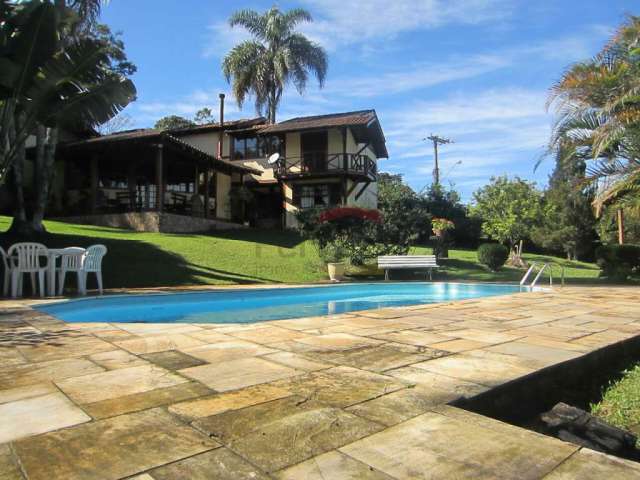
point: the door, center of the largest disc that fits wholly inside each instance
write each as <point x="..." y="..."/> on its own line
<point x="314" y="151"/>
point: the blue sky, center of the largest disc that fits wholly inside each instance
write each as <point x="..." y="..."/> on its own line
<point x="477" y="71"/>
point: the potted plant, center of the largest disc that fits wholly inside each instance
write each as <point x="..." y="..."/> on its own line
<point x="333" y="255"/>
<point x="440" y="226"/>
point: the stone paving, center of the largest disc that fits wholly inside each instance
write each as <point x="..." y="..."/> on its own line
<point x="354" y="396"/>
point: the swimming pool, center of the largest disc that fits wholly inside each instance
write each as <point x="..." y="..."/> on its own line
<point x="258" y="305"/>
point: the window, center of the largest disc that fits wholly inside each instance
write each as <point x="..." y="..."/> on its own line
<point x="256" y="147"/>
<point x="322" y="195"/>
<point x="251" y="147"/>
<point x="238" y="148"/>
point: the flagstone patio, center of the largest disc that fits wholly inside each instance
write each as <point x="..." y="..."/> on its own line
<point x="354" y="396"/>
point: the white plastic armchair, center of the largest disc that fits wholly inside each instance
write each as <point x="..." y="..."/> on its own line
<point x="71" y="260"/>
<point x="92" y="263"/>
<point x="29" y="258"/>
<point x="7" y="272"/>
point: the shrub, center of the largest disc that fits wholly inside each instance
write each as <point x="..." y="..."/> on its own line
<point x="362" y="233"/>
<point x="618" y="261"/>
<point x="332" y="253"/>
<point x="493" y="255"/>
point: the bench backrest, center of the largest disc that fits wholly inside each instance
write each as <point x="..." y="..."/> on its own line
<point x="407" y="260"/>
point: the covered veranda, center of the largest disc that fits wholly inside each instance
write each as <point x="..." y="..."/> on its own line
<point x="145" y="170"/>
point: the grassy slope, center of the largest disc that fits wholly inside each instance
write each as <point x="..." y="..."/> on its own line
<point x="154" y="259"/>
<point x="620" y="404"/>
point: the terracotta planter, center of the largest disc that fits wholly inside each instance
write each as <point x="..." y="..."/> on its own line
<point x="336" y="271"/>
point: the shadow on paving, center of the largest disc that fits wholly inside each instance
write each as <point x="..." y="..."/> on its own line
<point x="29" y="337"/>
<point x="134" y="263"/>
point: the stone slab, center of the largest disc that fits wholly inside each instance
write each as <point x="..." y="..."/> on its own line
<point x="341" y="386"/>
<point x="226" y="351"/>
<point x="117" y="383"/>
<point x="336" y="341"/>
<point x="482" y="371"/>
<point x="218" y="464"/>
<point x="281" y="433"/>
<point x="173" y="359"/>
<point x="9" y="469"/>
<point x="298" y="362"/>
<point x="110" y="449"/>
<point x="589" y="465"/>
<point x="33" y="416"/>
<point x="159" y="343"/>
<point x="223" y="402"/>
<point x="115" y="359"/>
<point x="437" y="381"/>
<point x="378" y="358"/>
<point x="46" y="371"/>
<point x="30" y="391"/>
<point x="433" y="446"/>
<point x="331" y="465"/>
<point x="144" y="400"/>
<point x="401" y="405"/>
<point x="235" y="374"/>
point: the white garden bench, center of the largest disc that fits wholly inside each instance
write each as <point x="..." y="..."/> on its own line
<point x="391" y="262"/>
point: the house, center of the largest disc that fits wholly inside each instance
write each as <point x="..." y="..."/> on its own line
<point x="221" y="175"/>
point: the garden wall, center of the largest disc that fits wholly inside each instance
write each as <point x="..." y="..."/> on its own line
<point x="153" y="222"/>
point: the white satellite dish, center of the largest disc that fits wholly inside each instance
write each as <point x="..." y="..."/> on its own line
<point x="273" y="158"/>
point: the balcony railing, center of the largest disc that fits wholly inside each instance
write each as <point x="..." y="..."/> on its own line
<point x="321" y="163"/>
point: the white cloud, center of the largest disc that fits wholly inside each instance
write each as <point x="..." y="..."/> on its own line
<point x="496" y="132"/>
<point x="339" y="22"/>
<point x="221" y="38"/>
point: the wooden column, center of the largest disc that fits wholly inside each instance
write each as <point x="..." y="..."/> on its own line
<point x="207" y="175"/>
<point x="196" y="184"/>
<point x="159" y="179"/>
<point x="94" y="174"/>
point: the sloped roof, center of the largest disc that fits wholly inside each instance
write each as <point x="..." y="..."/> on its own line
<point x="364" y="123"/>
<point x="211" y="127"/>
<point x="150" y="135"/>
<point x="362" y="117"/>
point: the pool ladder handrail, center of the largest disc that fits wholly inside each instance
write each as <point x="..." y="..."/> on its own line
<point x="540" y="271"/>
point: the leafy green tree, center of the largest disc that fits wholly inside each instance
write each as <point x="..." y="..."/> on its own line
<point x="203" y="116"/>
<point x="445" y="203"/>
<point x="276" y="55"/>
<point x="404" y="216"/>
<point x="567" y="221"/>
<point x="509" y="210"/>
<point x="51" y="77"/>
<point x="173" y="122"/>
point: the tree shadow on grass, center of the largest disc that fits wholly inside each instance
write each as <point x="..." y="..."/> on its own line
<point x="276" y="238"/>
<point x="134" y="263"/>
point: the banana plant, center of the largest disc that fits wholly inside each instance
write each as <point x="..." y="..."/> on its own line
<point x="47" y="83"/>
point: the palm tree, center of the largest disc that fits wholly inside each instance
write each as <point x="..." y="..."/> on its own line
<point x="276" y="55"/>
<point x="598" y="107"/>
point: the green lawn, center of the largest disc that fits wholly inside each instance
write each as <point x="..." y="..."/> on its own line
<point x="245" y="256"/>
<point x="620" y="404"/>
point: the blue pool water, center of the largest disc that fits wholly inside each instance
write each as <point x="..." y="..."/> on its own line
<point x="258" y="305"/>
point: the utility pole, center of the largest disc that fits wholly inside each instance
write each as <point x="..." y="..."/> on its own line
<point x="437" y="140"/>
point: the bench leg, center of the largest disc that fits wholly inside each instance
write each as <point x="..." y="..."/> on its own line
<point x="386" y="274"/>
<point x="430" y="276"/>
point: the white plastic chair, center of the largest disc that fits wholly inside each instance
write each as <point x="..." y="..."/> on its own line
<point x="7" y="272"/>
<point x="26" y="258"/>
<point x="92" y="263"/>
<point x="71" y="260"/>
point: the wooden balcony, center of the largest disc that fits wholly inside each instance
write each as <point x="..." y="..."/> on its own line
<point x="320" y="164"/>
